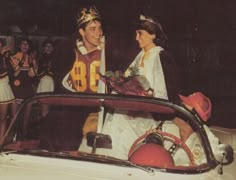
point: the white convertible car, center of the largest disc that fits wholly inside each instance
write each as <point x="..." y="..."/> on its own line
<point x="36" y="147"/>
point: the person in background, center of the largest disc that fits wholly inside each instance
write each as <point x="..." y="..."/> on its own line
<point x="6" y="94"/>
<point x="46" y="71"/>
<point x="23" y="71"/>
<point x="201" y="105"/>
<point x="46" y="68"/>
<point x="89" y="63"/>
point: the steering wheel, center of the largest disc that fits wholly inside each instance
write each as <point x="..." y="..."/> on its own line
<point x="166" y="136"/>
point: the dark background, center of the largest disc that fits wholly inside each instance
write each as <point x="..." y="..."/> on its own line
<point x="202" y="38"/>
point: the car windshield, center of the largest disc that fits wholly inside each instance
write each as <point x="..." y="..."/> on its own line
<point x="55" y="124"/>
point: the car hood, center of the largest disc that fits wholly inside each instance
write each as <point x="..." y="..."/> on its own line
<point x="14" y="166"/>
<point x="226" y="135"/>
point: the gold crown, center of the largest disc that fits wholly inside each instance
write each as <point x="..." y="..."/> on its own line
<point x="87" y="15"/>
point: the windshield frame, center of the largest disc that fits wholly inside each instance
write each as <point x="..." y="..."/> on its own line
<point x="106" y="101"/>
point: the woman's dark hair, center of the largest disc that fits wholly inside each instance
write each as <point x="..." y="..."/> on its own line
<point x="25" y="39"/>
<point x="28" y="41"/>
<point x="152" y="26"/>
<point x="48" y="41"/>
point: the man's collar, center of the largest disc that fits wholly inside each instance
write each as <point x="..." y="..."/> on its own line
<point x="82" y="48"/>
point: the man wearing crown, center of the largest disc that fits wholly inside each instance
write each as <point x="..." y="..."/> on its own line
<point x="89" y="63"/>
<point x="90" y="56"/>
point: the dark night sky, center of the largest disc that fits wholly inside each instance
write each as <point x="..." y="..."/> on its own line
<point x="206" y="27"/>
<point x="58" y="16"/>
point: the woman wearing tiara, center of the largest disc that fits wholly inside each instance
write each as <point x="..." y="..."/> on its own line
<point x="154" y="62"/>
<point x="158" y="67"/>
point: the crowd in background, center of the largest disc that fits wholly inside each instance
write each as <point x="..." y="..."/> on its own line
<point x="24" y="71"/>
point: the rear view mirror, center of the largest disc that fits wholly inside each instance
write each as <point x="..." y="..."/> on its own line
<point x="224" y="154"/>
<point x="98" y="140"/>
